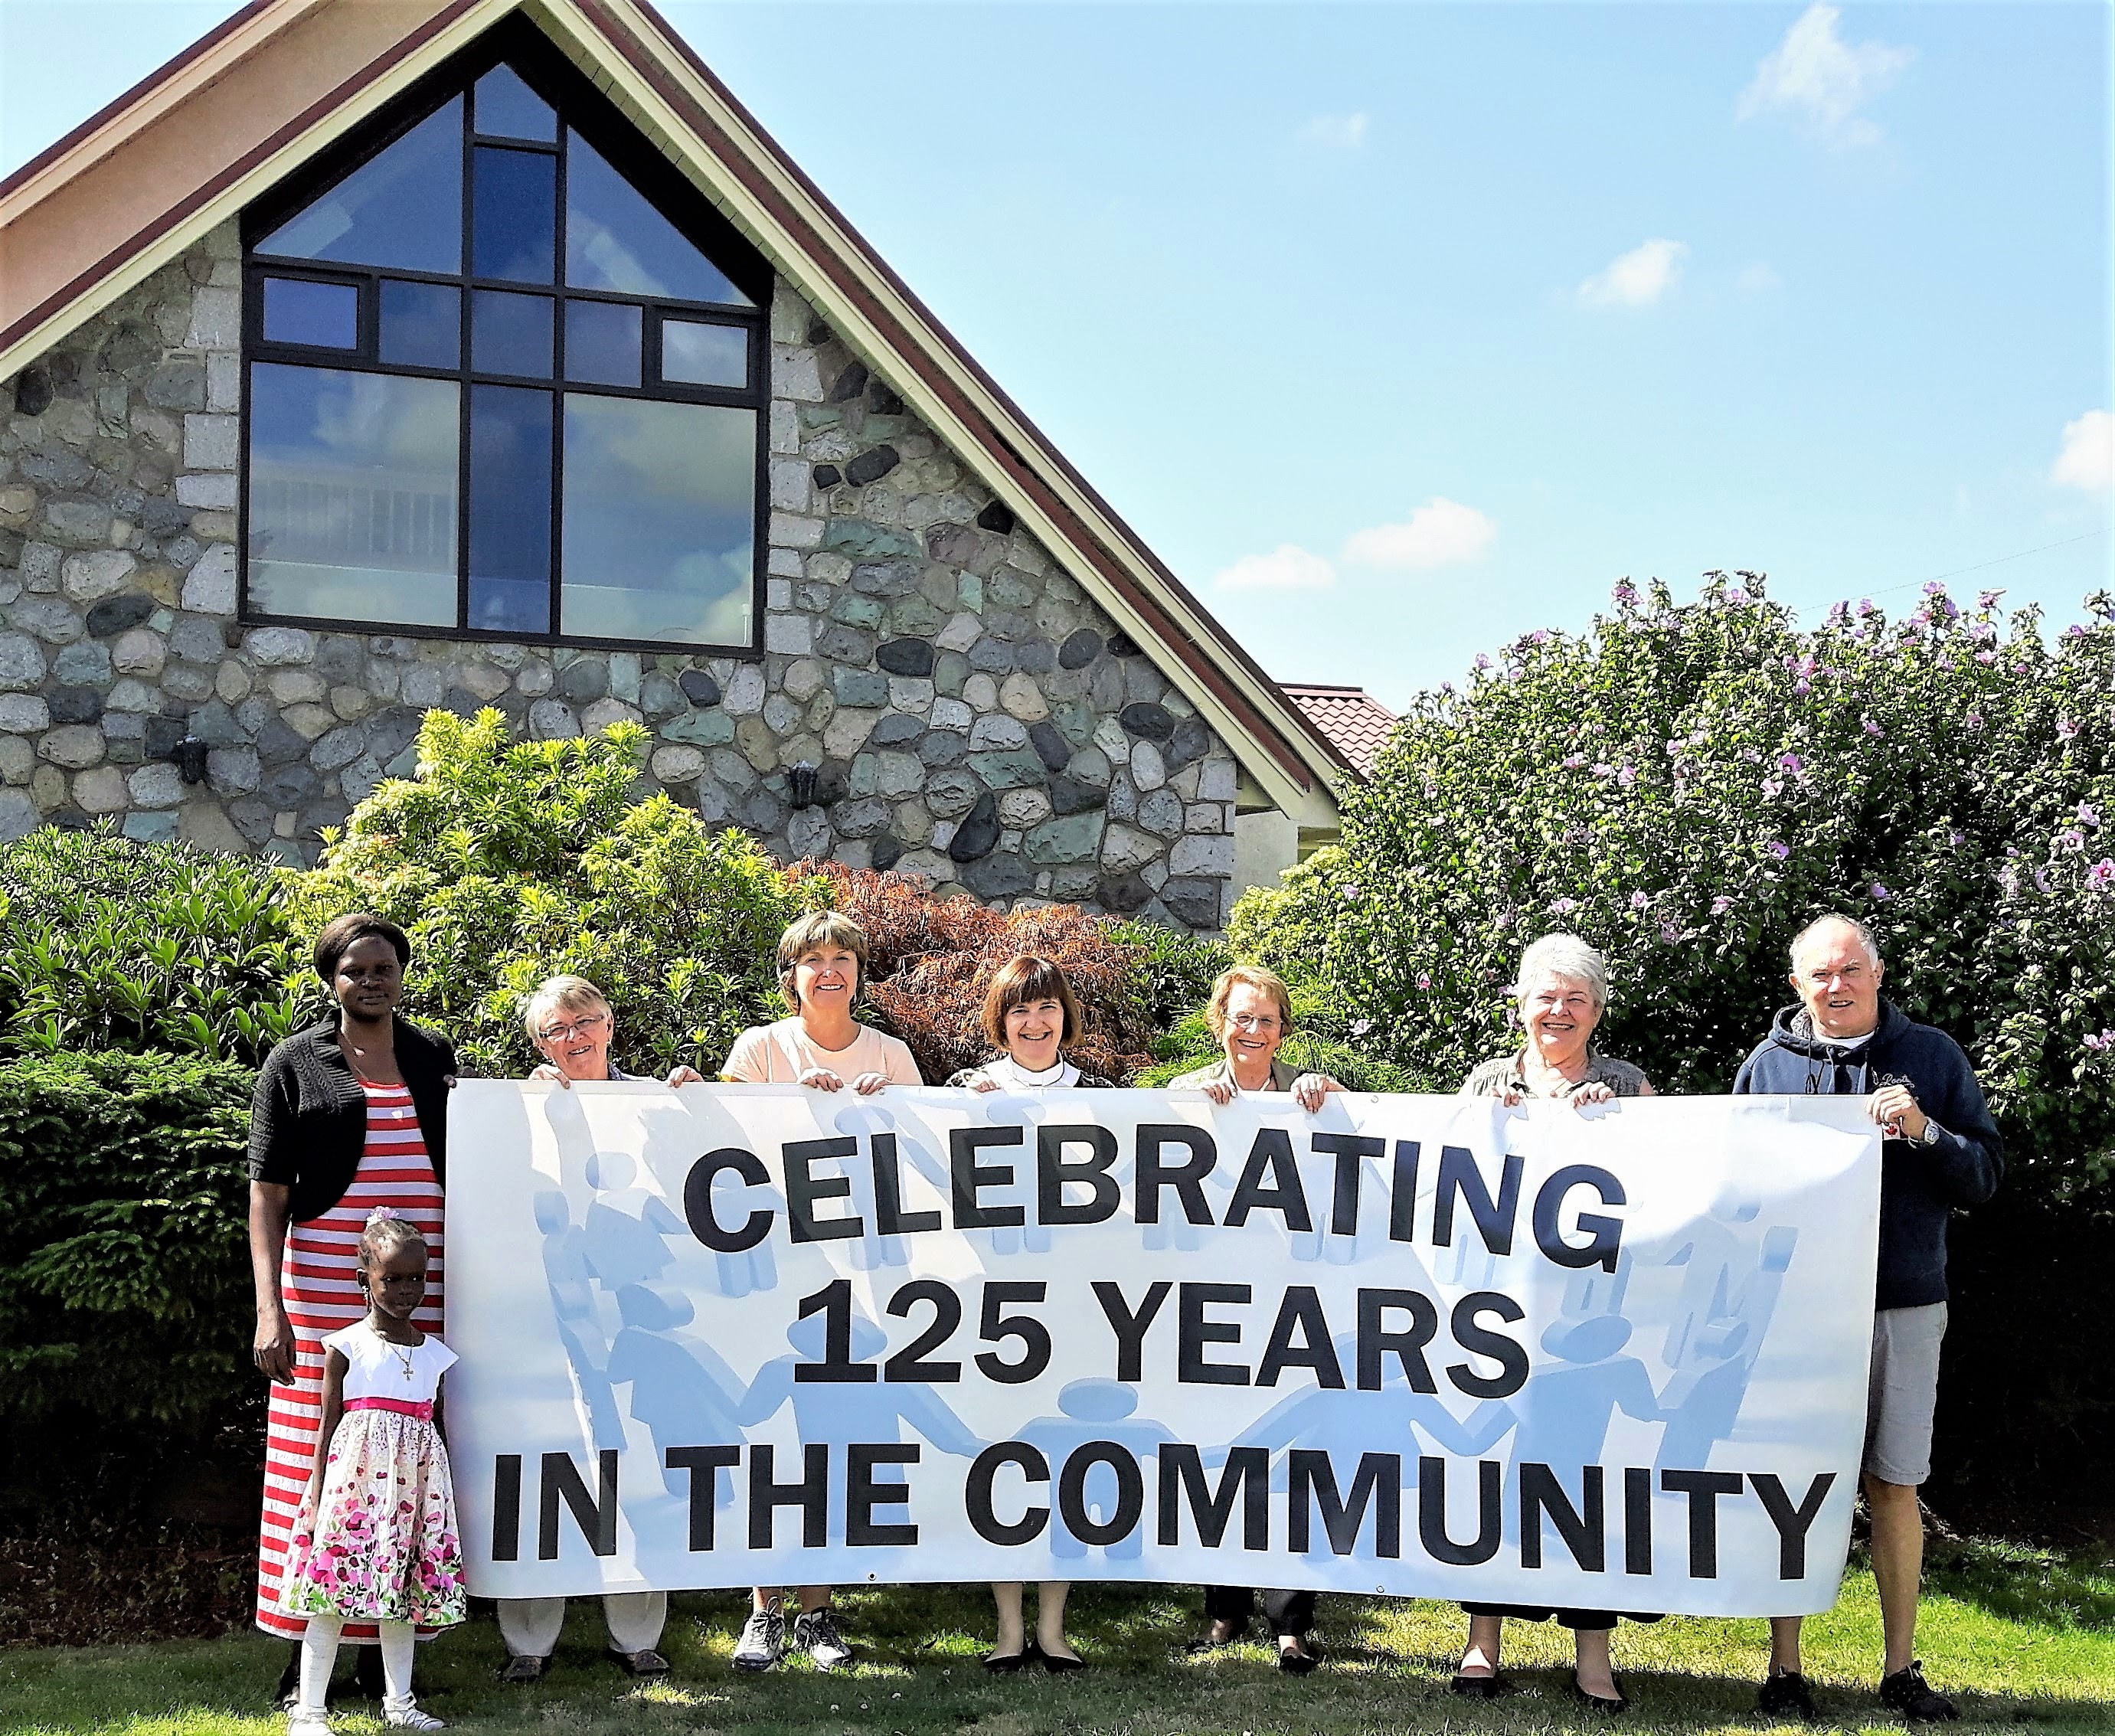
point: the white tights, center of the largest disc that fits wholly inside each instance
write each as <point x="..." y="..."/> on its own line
<point x="319" y="1652"/>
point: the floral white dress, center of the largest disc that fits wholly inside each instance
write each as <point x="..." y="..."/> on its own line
<point x="380" y="1544"/>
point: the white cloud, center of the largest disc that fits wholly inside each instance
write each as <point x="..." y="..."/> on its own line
<point x="1338" y="131"/>
<point x="1822" y="80"/>
<point x="1637" y="278"/>
<point x="2087" y="460"/>
<point x="1286" y="567"/>
<point x="1757" y="279"/>
<point x="1440" y="533"/>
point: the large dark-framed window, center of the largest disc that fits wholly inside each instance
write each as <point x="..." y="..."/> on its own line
<point x="507" y="378"/>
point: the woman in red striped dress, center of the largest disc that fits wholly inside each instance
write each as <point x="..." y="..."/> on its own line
<point x="349" y="1115"/>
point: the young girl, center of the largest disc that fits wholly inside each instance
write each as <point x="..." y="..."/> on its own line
<point x="376" y="1538"/>
<point x="1030" y="1014"/>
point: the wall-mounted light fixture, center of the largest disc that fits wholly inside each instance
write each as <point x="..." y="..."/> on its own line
<point x="801" y="781"/>
<point x="189" y="756"/>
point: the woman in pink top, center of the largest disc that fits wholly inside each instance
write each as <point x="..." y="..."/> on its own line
<point x="822" y="965"/>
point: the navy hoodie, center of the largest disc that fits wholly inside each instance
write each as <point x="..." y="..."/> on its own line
<point x="1920" y="1185"/>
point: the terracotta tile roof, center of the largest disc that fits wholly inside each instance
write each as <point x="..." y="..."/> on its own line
<point x="1354" y="723"/>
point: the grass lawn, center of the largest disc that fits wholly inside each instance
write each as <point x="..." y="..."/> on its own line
<point x="2019" y="1636"/>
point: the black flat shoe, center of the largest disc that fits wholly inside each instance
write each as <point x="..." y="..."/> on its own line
<point x="1058" y="1664"/>
<point x="1209" y="1642"/>
<point x="1599" y="1704"/>
<point x="1299" y="1663"/>
<point x="1479" y="1687"/>
<point x="1786" y="1694"/>
<point x="1005" y="1663"/>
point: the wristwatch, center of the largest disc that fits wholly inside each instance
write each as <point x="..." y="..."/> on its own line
<point x="1930" y="1132"/>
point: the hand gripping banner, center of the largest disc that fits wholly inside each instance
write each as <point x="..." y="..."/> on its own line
<point x="1429" y="1347"/>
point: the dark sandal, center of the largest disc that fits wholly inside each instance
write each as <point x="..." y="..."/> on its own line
<point x="647" y="1666"/>
<point x="519" y="1672"/>
<point x="1492" y="1687"/>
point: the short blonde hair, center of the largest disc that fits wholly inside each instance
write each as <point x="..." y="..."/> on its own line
<point x="819" y="928"/>
<point x="1254" y="976"/>
<point x="556" y="992"/>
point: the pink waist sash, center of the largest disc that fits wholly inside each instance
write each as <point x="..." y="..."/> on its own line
<point x="424" y="1410"/>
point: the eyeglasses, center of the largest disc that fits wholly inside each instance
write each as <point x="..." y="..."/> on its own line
<point x="578" y="1028"/>
<point x="1260" y="1023"/>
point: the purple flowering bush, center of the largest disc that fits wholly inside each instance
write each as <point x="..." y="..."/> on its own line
<point x="1686" y="785"/>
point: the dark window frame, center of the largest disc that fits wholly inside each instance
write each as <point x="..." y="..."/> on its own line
<point x="583" y="109"/>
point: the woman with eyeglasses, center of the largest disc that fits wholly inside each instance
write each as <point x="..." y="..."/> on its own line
<point x="572" y="1025"/>
<point x="1250" y="1014"/>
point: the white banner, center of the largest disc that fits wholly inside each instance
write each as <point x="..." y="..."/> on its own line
<point x="1429" y="1347"/>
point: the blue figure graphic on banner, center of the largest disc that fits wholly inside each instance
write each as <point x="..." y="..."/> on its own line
<point x="682" y="1389"/>
<point x="1095" y="1409"/>
<point x="867" y="1121"/>
<point x="627" y="1226"/>
<point x="836" y="1413"/>
<point x="569" y="1279"/>
<point x="1729" y="1294"/>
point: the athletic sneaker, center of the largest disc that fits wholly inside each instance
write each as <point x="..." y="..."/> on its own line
<point x="1908" y="1693"/>
<point x="302" y="1722"/>
<point x="763" y="1640"/>
<point x="815" y="1632"/>
<point x="411" y="1717"/>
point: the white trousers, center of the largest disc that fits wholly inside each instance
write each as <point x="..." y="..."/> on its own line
<point x="530" y="1625"/>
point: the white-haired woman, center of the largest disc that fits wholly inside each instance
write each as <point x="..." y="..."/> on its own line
<point x="572" y="1025"/>
<point x="1562" y="990"/>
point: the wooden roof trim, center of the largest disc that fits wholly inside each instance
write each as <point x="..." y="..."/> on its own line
<point x="143" y="248"/>
<point x="837" y="258"/>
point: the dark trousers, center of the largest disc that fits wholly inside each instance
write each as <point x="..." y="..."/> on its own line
<point x="1288" y="1612"/>
<point x="1586" y="1621"/>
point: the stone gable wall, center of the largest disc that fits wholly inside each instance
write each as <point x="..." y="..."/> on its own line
<point x="975" y="717"/>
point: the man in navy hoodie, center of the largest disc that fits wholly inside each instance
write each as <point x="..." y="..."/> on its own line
<point x="1942" y="1150"/>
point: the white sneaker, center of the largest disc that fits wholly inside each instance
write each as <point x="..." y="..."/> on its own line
<point x="763" y="1640"/>
<point x="410" y="1718"/>
<point x="301" y="1721"/>
<point x="815" y="1632"/>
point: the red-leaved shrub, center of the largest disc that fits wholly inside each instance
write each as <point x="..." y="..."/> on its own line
<point x="931" y="959"/>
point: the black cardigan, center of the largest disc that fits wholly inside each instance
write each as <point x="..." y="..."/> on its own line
<point x="307" y="1120"/>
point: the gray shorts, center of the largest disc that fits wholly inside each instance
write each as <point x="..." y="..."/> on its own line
<point x="1902" y="1392"/>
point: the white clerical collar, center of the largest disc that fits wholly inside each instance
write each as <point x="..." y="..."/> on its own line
<point x="1013" y="1077"/>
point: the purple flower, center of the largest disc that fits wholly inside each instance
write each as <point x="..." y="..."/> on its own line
<point x="1720" y="905"/>
<point x="1773" y="787"/>
<point x="2088" y="814"/>
<point x="1602" y="769"/>
<point x="1792" y="765"/>
<point x="1974" y="720"/>
<point x="1350" y="891"/>
<point x="1778" y="848"/>
<point x="1572" y="762"/>
<point x="1872" y="728"/>
<point x="2100" y="1039"/>
<point x="1482" y="661"/>
<point x="1987" y="599"/>
<point x="1423" y="981"/>
<point x="1562" y="907"/>
<point x="2066" y="728"/>
<point x="1954" y="839"/>
<point x="1624" y="593"/>
<point x="1880" y="893"/>
<point x="1986" y="657"/>
<point x="2074" y="839"/>
<point x="2101" y="875"/>
<point x="1670" y="931"/>
<point x="1504" y="919"/>
<point x="1627" y="776"/>
<point x="1639" y="901"/>
<point x="1359" y="1027"/>
<point x="1935" y="587"/>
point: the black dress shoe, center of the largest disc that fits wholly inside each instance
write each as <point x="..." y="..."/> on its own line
<point x="1786" y="1694"/>
<point x="521" y="1671"/>
<point x="289" y="1690"/>
<point x="1301" y="1663"/>
<point x="1479" y="1687"/>
<point x="1600" y="1704"/>
<point x="1005" y="1663"/>
<point x="1058" y="1664"/>
<point x="1908" y="1693"/>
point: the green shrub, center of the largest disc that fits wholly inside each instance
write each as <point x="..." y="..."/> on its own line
<point x="109" y="944"/>
<point x="1686" y="786"/>
<point x="124" y="1288"/>
<point x="509" y="861"/>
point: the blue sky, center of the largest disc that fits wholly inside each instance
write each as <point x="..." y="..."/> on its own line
<point x="1401" y="330"/>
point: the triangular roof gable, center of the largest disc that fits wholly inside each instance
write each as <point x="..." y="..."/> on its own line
<point x="282" y="80"/>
